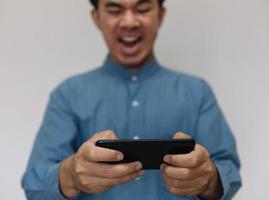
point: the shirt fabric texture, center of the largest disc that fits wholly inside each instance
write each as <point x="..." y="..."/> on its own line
<point x="152" y="103"/>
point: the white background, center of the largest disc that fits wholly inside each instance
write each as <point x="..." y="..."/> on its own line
<point x="42" y="42"/>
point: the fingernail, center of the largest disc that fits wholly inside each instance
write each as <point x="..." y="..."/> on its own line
<point x="167" y="159"/>
<point x="119" y="156"/>
<point x="138" y="166"/>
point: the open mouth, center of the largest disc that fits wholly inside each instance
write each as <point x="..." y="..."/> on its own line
<point x="130" y="41"/>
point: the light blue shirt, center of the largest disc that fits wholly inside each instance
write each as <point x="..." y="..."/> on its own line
<point x="154" y="102"/>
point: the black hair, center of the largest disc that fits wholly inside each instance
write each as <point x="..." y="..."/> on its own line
<point x="95" y="3"/>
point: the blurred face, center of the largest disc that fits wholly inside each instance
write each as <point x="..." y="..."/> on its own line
<point x="129" y="28"/>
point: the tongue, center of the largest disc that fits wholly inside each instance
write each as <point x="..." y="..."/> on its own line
<point x="129" y="44"/>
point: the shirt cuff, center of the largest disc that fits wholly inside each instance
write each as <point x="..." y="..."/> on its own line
<point x="230" y="180"/>
<point x="54" y="187"/>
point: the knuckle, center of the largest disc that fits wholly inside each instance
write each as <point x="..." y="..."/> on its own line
<point x="92" y="154"/>
<point x="194" y="161"/>
<point x="79" y="170"/>
<point x="186" y="173"/>
<point x="206" y="154"/>
<point x="82" y="182"/>
<point x="176" y="183"/>
<point x="204" y="184"/>
<point x="127" y="169"/>
<point x="209" y="170"/>
<point x="79" y="155"/>
<point x="173" y="190"/>
<point x="108" y="173"/>
<point x="108" y="133"/>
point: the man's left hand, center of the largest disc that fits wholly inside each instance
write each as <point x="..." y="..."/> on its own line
<point x="192" y="174"/>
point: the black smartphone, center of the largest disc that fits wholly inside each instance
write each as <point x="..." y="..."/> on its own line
<point x="149" y="152"/>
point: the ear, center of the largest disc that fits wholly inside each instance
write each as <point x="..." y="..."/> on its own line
<point x="162" y="14"/>
<point x="96" y="18"/>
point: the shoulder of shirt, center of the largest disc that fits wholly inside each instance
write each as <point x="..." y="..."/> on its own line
<point x="80" y="80"/>
<point x="194" y="86"/>
<point x="184" y="78"/>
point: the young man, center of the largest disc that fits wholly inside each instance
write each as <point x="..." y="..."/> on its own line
<point x="131" y="96"/>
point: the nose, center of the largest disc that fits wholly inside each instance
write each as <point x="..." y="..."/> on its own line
<point x="129" y="20"/>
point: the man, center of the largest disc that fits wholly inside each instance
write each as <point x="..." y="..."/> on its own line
<point x="131" y="96"/>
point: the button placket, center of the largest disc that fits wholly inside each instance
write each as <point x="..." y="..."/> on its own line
<point x="135" y="112"/>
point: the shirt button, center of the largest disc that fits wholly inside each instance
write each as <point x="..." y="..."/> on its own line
<point x="137" y="179"/>
<point x="136" y="137"/>
<point x="134" y="78"/>
<point x="135" y="103"/>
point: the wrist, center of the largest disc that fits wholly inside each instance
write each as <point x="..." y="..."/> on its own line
<point x="66" y="179"/>
<point x="215" y="189"/>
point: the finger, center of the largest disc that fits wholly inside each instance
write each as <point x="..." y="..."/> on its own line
<point x="127" y="178"/>
<point x="109" y="182"/>
<point x="192" y="159"/>
<point x="107" y="134"/>
<point x="113" y="170"/>
<point x="197" y="184"/>
<point x="98" y="154"/>
<point x="181" y="173"/>
<point x="190" y="191"/>
<point x="95" y="154"/>
<point x="181" y="135"/>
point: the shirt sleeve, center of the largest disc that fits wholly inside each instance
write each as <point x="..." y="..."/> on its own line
<point x="213" y="133"/>
<point x="53" y="144"/>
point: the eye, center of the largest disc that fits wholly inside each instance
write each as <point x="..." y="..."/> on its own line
<point x="144" y="8"/>
<point x="114" y="10"/>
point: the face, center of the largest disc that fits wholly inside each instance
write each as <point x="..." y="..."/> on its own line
<point x="129" y="28"/>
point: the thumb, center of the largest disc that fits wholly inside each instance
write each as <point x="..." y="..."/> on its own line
<point x="181" y="135"/>
<point x="107" y="134"/>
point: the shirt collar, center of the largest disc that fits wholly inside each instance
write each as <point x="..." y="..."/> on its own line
<point x="118" y="70"/>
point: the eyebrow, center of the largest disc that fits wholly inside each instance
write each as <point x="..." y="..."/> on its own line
<point x="112" y="4"/>
<point x="144" y="1"/>
<point x="116" y="4"/>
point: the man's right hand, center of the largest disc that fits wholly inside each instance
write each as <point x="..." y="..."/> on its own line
<point x="83" y="171"/>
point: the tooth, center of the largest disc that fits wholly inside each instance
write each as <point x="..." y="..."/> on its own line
<point x="129" y="39"/>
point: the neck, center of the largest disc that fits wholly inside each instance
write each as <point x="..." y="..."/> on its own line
<point x="135" y="67"/>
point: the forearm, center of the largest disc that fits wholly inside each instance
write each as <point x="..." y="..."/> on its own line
<point x="42" y="188"/>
